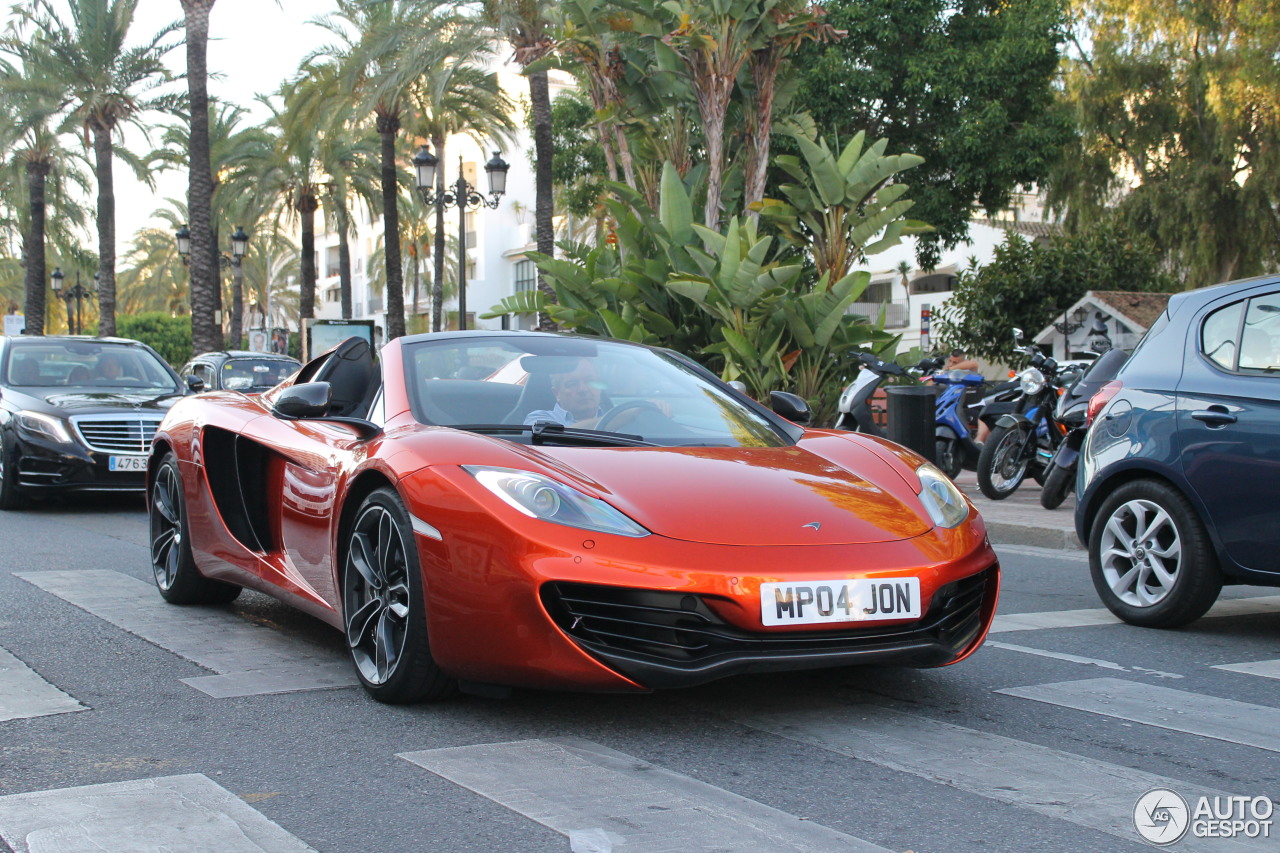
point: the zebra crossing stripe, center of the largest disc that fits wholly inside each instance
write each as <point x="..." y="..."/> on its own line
<point x="1264" y="668"/>
<point x="1164" y="707"/>
<point x="1232" y="607"/>
<point x="581" y="789"/>
<point x="25" y="694"/>
<point x="189" y="813"/>
<point x="1071" y="788"/>
<point x="250" y="659"/>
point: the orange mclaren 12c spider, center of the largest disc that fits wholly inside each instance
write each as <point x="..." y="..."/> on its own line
<point x="524" y="509"/>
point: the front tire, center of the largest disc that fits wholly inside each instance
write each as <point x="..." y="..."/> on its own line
<point x="384" y="606"/>
<point x="1002" y="466"/>
<point x="10" y="496"/>
<point x="172" y="564"/>
<point x="1057" y="486"/>
<point x="1150" y="557"/>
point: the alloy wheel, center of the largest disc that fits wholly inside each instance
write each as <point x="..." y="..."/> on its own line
<point x="166" y="526"/>
<point x="1141" y="553"/>
<point x="376" y="594"/>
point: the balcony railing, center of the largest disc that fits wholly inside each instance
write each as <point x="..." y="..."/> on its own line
<point x="896" y="314"/>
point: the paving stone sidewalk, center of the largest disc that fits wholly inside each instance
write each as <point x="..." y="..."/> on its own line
<point x="1020" y="520"/>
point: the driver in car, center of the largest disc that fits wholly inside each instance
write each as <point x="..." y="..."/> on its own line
<point x="577" y="396"/>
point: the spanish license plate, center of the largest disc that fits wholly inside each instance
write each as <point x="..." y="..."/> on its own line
<point x="127" y="463"/>
<point x="818" y="602"/>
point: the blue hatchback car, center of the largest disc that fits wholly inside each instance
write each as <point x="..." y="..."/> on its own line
<point x="1179" y="479"/>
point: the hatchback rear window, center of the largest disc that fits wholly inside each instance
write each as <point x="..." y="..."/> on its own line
<point x="1220" y="335"/>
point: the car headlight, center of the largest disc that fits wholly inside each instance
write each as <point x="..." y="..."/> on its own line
<point x="1031" y="381"/>
<point x="54" y="429"/>
<point x="946" y="505"/>
<point x="542" y="497"/>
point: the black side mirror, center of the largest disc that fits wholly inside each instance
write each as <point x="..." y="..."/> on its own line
<point x="308" y="400"/>
<point x="194" y="383"/>
<point x="790" y="406"/>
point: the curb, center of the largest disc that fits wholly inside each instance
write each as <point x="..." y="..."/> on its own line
<point x="1038" y="536"/>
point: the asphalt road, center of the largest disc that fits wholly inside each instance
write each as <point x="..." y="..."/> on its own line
<point x="1042" y="741"/>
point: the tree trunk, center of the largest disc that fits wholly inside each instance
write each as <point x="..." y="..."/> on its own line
<point x="388" y="127"/>
<point x="437" y="282"/>
<point x="33" y="249"/>
<point x="206" y="336"/>
<point x="764" y="65"/>
<point x="103" y="155"/>
<point x="344" y="258"/>
<point x="544" y="204"/>
<point x="307" y="206"/>
<point x="237" y="304"/>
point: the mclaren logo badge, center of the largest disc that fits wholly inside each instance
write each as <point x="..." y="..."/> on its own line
<point x="816" y="525"/>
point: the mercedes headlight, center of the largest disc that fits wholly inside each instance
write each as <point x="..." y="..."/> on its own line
<point x="946" y="505"/>
<point x="542" y="497"/>
<point x="1031" y="381"/>
<point x="44" y="426"/>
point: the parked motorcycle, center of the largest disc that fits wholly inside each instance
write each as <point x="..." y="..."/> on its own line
<point x="955" y="448"/>
<point x="1072" y="413"/>
<point x="1025" y="440"/>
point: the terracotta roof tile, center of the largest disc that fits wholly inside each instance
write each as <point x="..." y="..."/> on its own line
<point x="1142" y="308"/>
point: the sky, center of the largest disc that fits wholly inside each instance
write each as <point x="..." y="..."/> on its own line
<point x="254" y="45"/>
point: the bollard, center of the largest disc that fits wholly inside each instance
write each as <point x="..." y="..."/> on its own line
<point x="911" y="418"/>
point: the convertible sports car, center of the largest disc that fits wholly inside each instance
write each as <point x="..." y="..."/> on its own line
<point x="524" y="509"/>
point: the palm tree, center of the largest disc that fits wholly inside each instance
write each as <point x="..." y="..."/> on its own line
<point x="455" y="98"/>
<point x="31" y="139"/>
<point x="106" y="85"/>
<point x="206" y="336"/>
<point x="527" y="25"/>
<point x="394" y="42"/>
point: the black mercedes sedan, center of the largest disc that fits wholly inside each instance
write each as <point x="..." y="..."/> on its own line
<point x="78" y="414"/>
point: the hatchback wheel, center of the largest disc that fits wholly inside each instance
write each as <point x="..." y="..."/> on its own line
<point x="1151" y="558"/>
<point x="384" y="609"/>
<point x="172" y="563"/>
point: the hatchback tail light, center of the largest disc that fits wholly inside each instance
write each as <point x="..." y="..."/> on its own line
<point x="1099" y="400"/>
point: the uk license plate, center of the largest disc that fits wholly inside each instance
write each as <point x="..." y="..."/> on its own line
<point x="819" y="602"/>
<point x="127" y="463"/>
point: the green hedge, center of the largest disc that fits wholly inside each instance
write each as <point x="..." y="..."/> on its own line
<point x="169" y="336"/>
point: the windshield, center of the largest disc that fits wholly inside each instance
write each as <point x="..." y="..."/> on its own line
<point x="256" y="374"/>
<point x="579" y="384"/>
<point x="88" y="365"/>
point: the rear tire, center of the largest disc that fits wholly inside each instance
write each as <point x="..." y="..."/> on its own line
<point x="999" y="475"/>
<point x="384" y="606"/>
<point x="172" y="564"/>
<point x="1151" y="559"/>
<point x="10" y="496"/>
<point x="1057" y="486"/>
<point x="950" y="456"/>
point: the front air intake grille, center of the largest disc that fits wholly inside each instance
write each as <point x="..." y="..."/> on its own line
<point x="638" y="631"/>
<point x="118" y="435"/>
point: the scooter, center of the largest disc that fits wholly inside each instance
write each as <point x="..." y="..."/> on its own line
<point x="854" y="408"/>
<point x="955" y="448"/>
<point x="1072" y="413"/>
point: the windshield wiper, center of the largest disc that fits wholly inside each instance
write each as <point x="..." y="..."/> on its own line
<point x="544" y="432"/>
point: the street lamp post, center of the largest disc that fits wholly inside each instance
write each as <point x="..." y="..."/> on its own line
<point x="464" y="196"/>
<point x="77" y="292"/>
<point x="239" y="246"/>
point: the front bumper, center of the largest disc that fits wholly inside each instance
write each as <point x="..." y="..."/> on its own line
<point x="47" y="468"/>
<point x="672" y="639"/>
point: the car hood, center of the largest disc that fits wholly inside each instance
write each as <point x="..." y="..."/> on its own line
<point x="96" y="402"/>
<point x="791" y="495"/>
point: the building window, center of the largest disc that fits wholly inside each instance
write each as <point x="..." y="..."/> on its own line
<point x="526" y="275"/>
<point x="877" y="292"/>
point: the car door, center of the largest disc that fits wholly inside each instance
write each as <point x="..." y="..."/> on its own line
<point x="1229" y="424"/>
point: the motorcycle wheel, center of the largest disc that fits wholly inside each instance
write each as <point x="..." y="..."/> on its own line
<point x="1057" y="486"/>
<point x="1003" y="463"/>
<point x="948" y="454"/>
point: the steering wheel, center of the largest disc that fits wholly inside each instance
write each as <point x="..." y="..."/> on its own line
<point x="608" y="417"/>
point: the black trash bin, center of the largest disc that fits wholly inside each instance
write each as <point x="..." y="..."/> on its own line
<point x="911" y="418"/>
